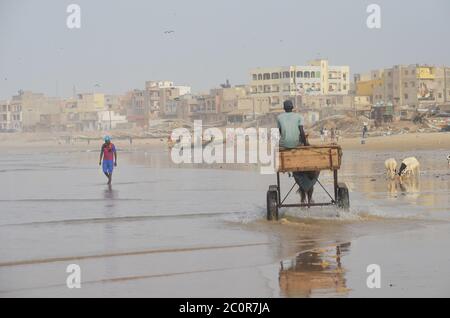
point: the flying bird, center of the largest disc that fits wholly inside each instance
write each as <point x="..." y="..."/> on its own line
<point x="169" y="31"/>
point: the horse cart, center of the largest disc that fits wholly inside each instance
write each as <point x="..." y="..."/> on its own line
<point x="308" y="158"/>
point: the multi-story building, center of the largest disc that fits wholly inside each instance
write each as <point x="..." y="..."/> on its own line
<point x="291" y="82"/>
<point x="10" y="116"/>
<point x="109" y="119"/>
<point x="137" y="108"/>
<point x="33" y="106"/>
<point x="153" y="93"/>
<point x="413" y="86"/>
<point x="113" y="102"/>
<point x="157" y="99"/>
<point x="167" y="98"/>
<point x="159" y="93"/>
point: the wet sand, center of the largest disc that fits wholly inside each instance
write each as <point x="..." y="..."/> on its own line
<point x="166" y="231"/>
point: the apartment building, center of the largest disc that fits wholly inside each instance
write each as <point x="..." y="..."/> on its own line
<point x="167" y="97"/>
<point x="33" y="106"/>
<point x="414" y="86"/>
<point x="10" y="116"/>
<point x="159" y="96"/>
<point x="291" y="82"/>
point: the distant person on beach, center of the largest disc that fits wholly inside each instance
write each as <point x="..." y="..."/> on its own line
<point x="365" y="130"/>
<point x="338" y="134"/>
<point x="333" y="135"/>
<point x="293" y="135"/>
<point x="109" y="154"/>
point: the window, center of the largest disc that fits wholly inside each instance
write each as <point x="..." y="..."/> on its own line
<point x="286" y="74"/>
<point x="306" y="74"/>
<point x="266" y="76"/>
<point x="255" y="77"/>
<point x="313" y="74"/>
<point x="259" y="76"/>
<point x="406" y="96"/>
<point x="299" y="74"/>
<point x="275" y="76"/>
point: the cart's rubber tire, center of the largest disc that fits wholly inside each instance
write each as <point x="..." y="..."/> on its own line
<point x="273" y="187"/>
<point x="272" y="205"/>
<point x="343" y="198"/>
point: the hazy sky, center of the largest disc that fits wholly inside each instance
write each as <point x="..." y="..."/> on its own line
<point x="121" y="44"/>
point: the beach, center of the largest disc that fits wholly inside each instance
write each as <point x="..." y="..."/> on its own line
<point x="165" y="230"/>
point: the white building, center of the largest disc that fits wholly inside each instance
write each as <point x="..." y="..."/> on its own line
<point x="292" y="82"/>
<point x="10" y="116"/>
<point x="110" y="120"/>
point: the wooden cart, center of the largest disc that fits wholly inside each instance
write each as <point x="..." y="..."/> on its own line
<point x="308" y="158"/>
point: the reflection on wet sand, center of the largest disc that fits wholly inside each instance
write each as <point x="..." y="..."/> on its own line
<point x="110" y="195"/>
<point x="404" y="186"/>
<point x="313" y="272"/>
<point x="161" y="232"/>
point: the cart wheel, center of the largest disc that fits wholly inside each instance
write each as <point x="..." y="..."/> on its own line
<point x="272" y="203"/>
<point x="343" y="198"/>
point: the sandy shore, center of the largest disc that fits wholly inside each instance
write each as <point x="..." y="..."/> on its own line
<point x="403" y="142"/>
<point x="168" y="231"/>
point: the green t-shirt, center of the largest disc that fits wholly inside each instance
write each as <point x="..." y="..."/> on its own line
<point x="290" y="133"/>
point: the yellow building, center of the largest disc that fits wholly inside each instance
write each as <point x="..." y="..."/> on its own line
<point x="426" y="72"/>
<point x="412" y="85"/>
<point x="366" y="88"/>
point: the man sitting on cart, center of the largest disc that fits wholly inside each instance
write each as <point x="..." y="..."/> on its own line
<point x="293" y="135"/>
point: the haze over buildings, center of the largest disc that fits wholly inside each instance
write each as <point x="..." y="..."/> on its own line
<point x="122" y="44"/>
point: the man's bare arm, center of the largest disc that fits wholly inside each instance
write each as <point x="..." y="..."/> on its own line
<point x="303" y="136"/>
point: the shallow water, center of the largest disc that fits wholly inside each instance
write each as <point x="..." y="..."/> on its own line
<point x="161" y="230"/>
